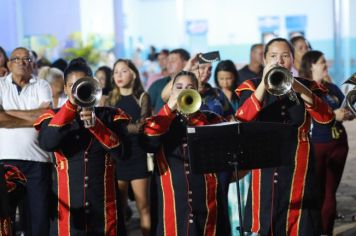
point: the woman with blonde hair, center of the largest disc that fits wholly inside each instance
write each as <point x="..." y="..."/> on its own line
<point x="129" y="95"/>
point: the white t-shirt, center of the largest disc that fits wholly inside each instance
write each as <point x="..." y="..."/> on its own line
<point x="61" y="100"/>
<point x="22" y="143"/>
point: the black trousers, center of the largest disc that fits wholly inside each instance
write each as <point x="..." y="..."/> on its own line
<point x="36" y="199"/>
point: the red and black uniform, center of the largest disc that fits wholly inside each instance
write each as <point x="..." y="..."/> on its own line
<point x="284" y="200"/>
<point x="183" y="203"/>
<point x="12" y="189"/>
<point x="84" y="174"/>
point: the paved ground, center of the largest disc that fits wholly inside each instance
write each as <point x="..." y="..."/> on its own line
<point x="346" y="195"/>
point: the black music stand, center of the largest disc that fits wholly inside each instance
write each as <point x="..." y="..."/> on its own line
<point x="237" y="146"/>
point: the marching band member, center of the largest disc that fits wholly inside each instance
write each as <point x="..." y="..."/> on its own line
<point x="13" y="188"/>
<point x="284" y="200"/>
<point x="84" y="175"/>
<point x="185" y="203"/>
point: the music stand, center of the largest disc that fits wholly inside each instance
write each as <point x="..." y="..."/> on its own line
<point x="234" y="146"/>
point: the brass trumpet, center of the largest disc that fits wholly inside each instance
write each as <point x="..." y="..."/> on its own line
<point x="279" y="81"/>
<point x="188" y="101"/>
<point x="87" y="93"/>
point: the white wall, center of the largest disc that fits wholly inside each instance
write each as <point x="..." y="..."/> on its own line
<point x="352" y="17"/>
<point x="230" y="21"/>
<point x="155" y="21"/>
<point x="97" y="16"/>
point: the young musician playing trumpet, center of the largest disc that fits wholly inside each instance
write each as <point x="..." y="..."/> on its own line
<point x="284" y="200"/>
<point x="185" y="203"/>
<point x="84" y="188"/>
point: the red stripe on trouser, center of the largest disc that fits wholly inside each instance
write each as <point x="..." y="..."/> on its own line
<point x="256" y="197"/>
<point x="63" y="195"/>
<point x="110" y="198"/>
<point x="297" y="189"/>
<point x="170" y="226"/>
<point x="211" y="189"/>
<point x="5" y="227"/>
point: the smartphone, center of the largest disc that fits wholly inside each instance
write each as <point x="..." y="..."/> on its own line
<point x="209" y="57"/>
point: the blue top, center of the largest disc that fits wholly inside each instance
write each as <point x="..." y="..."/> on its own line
<point x="155" y="91"/>
<point x="334" y="98"/>
<point x="215" y="100"/>
<point x="234" y="102"/>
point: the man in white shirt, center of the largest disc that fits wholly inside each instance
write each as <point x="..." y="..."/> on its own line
<point x="23" y="98"/>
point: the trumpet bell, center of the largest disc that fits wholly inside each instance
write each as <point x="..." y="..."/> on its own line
<point x="189" y="101"/>
<point x="351" y="101"/>
<point x="279" y="81"/>
<point x="351" y="80"/>
<point x="86" y="92"/>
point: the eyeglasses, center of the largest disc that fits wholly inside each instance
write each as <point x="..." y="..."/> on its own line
<point x="18" y="60"/>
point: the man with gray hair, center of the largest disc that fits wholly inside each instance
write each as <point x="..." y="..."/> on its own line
<point x="23" y="98"/>
<point x="255" y="68"/>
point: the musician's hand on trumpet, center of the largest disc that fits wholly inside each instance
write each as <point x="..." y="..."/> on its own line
<point x="87" y="116"/>
<point x="305" y="93"/>
<point x="172" y="100"/>
<point x="261" y="88"/>
<point x="341" y="114"/>
<point x="349" y="115"/>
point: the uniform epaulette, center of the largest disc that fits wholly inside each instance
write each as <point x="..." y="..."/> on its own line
<point x="120" y="115"/>
<point x="47" y="115"/>
<point x="246" y="85"/>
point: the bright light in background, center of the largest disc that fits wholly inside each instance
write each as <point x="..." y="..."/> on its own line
<point x="345" y="12"/>
<point x="180" y="17"/>
<point x="96" y="17"/>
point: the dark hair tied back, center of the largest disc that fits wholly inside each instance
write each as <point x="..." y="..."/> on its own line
<point x="78" y="65"/>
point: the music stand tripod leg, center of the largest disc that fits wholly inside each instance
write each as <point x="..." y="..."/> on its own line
<point x="239" y="228"/>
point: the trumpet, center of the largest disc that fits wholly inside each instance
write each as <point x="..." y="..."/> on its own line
<point x="279" y="81"/>
<point x="188" y="102"/>
<point x="87" y="93"/>
<point x="350" y="98"/>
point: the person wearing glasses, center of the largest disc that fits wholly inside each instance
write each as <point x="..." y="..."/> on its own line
<point x="23" y="98"/>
